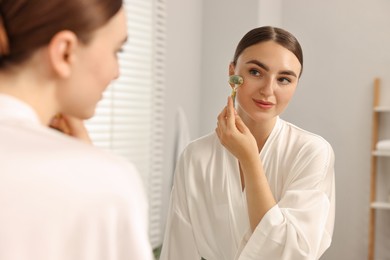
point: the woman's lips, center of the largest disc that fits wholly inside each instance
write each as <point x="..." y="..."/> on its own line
<point x="263" y="104"/>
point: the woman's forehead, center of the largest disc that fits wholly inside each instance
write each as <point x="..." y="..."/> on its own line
<point x="271" y="54"/>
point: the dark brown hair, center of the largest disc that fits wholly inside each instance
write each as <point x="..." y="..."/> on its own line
<point x="26" y="25"/>
<point x="269" y="33"/>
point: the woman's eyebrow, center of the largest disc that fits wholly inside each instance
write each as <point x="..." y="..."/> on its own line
<point x="258" y="63"/>
<point x="266" y="68"/>
<point x="288" y="72"/>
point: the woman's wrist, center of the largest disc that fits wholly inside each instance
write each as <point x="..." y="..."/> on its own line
<point x="251" y="163"/>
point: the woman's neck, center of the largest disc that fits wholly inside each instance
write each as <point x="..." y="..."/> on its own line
<point x="260" y="130"/>
<point x="34" y="92"/>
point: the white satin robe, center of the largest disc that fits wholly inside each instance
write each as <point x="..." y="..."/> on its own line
<point x="62" y="199"/>
<point x="208" y="215"/>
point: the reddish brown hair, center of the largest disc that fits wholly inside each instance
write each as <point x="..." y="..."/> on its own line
<point x="26" y="25"/>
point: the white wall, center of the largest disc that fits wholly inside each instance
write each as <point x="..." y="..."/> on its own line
<point x="183" y="74"/>
<point x="346" y="44"/>
<point x="224" y="23"/>
<point x="270" y="13"/>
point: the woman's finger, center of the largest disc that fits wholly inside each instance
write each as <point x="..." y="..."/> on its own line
<point x="230" y="113"/>
<point x="77" y="128"/>
<point x="222" y="115"/>
<point x="222" y="118"/>
<point x="71" y="126"/>
<point x="59" y="123"/>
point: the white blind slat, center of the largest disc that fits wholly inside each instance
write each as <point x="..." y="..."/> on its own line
<point x="129" y="119"/>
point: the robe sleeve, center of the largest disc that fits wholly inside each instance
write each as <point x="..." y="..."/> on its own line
<point x="179" y="242"/>
<point x="136" y="237"/>
<point x="300" y="226"/>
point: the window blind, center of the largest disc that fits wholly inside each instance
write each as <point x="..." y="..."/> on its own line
<point x="129" y="118"/>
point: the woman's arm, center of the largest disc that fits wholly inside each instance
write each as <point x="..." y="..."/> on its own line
<point x="238" y="139"/>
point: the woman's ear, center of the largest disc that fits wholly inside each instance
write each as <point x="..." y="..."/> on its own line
<point x="62" y="52"/>
<point x="231" y="68"/>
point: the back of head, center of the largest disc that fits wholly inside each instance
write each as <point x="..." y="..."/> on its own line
<point x="27" y="25"/>
<point x="269" y="33"/>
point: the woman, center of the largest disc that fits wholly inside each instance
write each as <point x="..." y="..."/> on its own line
<point x="259" y="187"/>
<point x="61" y="198"/>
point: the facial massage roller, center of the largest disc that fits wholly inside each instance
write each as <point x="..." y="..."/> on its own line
<point x="236" y="81"/>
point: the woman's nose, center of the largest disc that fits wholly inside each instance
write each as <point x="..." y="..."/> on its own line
<point x="266" y="88"/>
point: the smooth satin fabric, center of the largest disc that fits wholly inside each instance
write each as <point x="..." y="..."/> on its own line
<point x="208" y="215"/>
<point x="61" y="199"/>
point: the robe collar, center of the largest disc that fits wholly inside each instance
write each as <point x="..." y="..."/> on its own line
<point x="15" y="110"/>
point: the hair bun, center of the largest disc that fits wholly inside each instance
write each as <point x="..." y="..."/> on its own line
<point x="4" y="43"/>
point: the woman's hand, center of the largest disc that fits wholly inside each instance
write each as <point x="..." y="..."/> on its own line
<point x="238" y="139"/>
<point x="71" y="126"/>
<point x="234" y="135"/>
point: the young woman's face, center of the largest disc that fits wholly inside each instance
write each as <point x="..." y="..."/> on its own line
<point x="96" y="65"/>
<point x="270" y="74"/>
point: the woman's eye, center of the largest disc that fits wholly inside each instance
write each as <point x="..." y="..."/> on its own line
<point x="254" y="72"/>
<point x="119" y="51"/>
<point x="284" y="81"/>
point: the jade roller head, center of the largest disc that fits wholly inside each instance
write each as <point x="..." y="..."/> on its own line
<point x="235" y="81"/>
